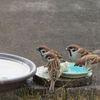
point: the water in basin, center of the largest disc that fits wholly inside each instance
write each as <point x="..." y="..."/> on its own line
<point x="12" y="69"/>
<point x="76" y="69"/>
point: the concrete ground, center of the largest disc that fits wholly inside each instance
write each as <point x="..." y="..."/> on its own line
<point x="26" y="24"/>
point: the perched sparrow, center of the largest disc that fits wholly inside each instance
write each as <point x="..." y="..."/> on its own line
<point x="76" y="52"/>
<point x="88" y="60"/>
<point x="53" y="69"/>
<point x="45" y="50"/>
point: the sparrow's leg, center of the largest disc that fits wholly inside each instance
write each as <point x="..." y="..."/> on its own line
<point x="52" y="86"/>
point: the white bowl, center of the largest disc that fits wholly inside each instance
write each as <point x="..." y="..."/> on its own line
<point x="14" y="69"/>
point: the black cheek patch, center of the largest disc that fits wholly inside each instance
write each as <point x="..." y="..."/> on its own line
<point x="70" y="53"/>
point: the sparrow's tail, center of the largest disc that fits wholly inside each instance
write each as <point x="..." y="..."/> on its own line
<point x="52" y="86"/>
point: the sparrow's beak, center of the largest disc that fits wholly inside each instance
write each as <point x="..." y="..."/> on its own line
<point x="67" y="49"/>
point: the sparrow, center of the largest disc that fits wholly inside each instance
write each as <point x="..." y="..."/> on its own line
<point x="45" y="50"/>
<point x="88" y="61"/>
<point x="53" y="69"/>
<point x="76" y="52"/>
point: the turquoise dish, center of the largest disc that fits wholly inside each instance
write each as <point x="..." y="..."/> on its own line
<point x="72" y="72"/>
<point x="76" y="70"/>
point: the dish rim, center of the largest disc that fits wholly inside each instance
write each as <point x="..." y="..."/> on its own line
<point x="16" y="58"/>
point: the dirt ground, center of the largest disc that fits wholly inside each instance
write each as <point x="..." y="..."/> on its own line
<point x="26" y="24"/>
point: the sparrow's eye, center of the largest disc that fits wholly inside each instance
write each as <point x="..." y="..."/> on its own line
<point x="48" y="58"/>
<point x="43" y="51"/>
<point x="73" y="50"/>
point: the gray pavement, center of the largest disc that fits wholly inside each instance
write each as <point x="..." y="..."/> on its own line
<point x="26" y="24"/>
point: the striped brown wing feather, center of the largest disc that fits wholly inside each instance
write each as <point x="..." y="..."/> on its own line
<point x="84" y="52"/>
<point x="92" y="60"/>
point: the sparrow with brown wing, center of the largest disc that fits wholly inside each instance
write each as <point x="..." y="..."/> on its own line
<point x="53" y="69"/>
<point x="88" y="60"/>
<point x="76" y="52"/>
<point x="45" y="50"/>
